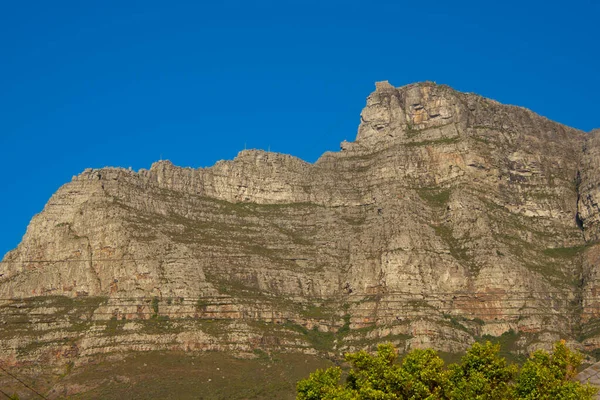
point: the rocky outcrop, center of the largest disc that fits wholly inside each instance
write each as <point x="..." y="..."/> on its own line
<point x="450" y="217"/>
<point x="588" y="181"/>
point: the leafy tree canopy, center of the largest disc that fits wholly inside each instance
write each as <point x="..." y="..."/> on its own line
<point x="481" y="375"/>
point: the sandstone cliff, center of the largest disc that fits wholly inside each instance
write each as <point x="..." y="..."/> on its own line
<point x="449" y="218"/>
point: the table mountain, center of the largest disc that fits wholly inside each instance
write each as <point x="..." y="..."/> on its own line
<point x="451" y="217"/>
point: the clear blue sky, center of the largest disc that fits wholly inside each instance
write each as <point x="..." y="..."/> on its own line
<point x="120" y="83"/>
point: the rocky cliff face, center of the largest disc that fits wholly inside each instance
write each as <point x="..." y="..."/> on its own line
<point x="449" y="218"/>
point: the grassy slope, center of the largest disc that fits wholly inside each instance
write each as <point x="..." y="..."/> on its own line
<point x="176" y="375"/>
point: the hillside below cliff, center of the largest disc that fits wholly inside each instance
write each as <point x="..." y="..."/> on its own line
<point x="450" y="218"/>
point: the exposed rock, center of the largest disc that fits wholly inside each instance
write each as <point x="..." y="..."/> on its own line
<point x="451" y="217"/>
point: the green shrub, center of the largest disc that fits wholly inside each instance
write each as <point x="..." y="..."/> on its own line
<point x="481" y="374"/>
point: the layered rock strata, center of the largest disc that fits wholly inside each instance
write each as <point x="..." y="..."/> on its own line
<point x="451" y="217"/>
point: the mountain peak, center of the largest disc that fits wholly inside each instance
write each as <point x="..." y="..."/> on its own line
<point x="451" y="217"/>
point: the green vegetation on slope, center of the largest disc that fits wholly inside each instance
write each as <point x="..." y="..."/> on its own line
<point x="208" y="376"/>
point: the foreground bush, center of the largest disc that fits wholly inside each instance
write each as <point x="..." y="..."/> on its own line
<point x="481" y="374"/>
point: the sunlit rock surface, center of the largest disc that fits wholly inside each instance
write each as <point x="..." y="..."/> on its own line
<point x="450" y="217"/>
